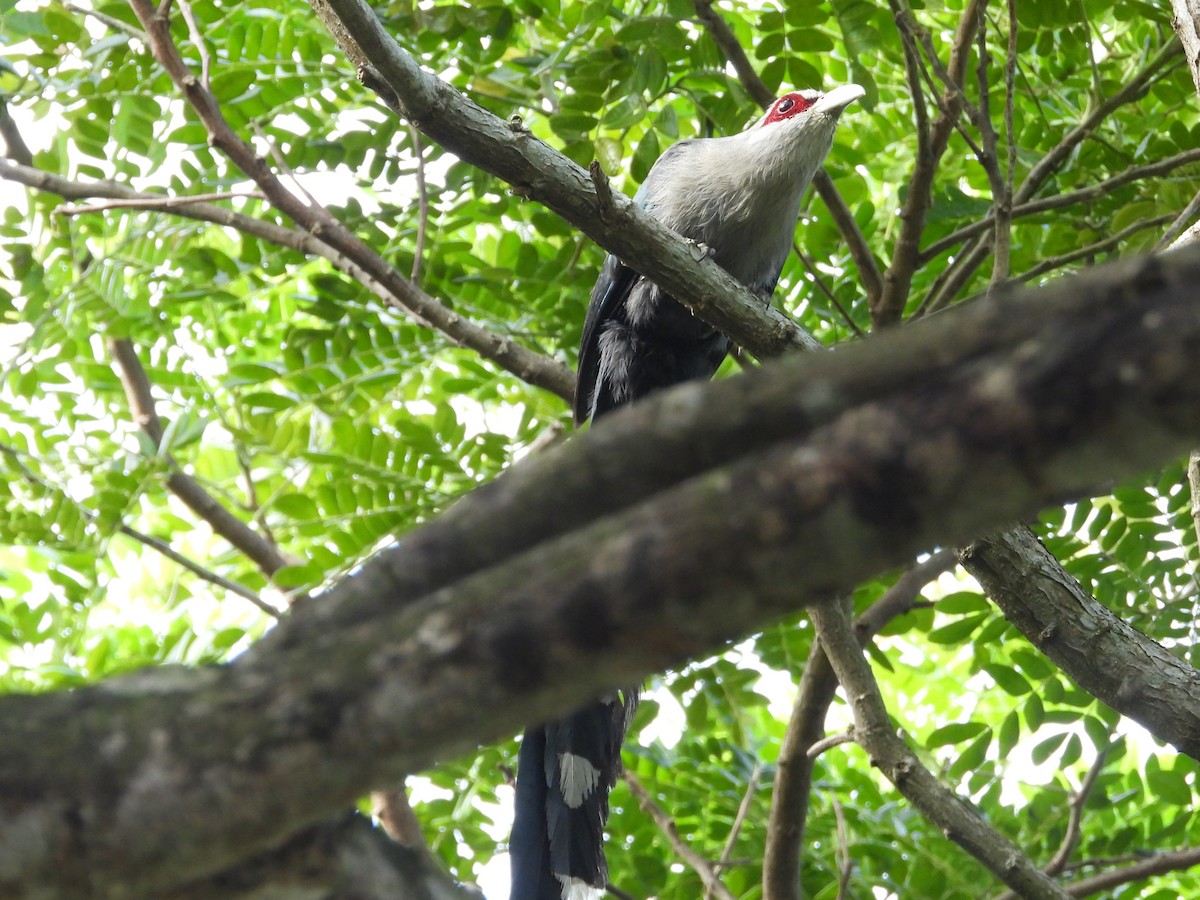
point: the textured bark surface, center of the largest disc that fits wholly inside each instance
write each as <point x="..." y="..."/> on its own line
<point x="653" y="539"/>
<point x="1109" y="659"/>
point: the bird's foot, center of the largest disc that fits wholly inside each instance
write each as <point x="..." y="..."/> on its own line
<point x="701" y="250"/>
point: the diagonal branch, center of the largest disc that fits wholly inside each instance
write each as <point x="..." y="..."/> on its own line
<point x="522" y="362"/>
<point x="873" y="730"/>
<point x="708" y="876"/>
<point x="806" y="727"/>
<point x="268" y="557"/>
<point x="856" y="461"/>
<point x="510" y="152"/>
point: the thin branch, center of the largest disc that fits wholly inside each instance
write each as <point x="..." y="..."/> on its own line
<point x="712" y="882"/>
<point x="966" y="265"/>
<point x="856" y="241"/>
<point x="1058" y="201"/>
<point x="726" y="40"/>
<point x="1001" y="200"/>
<point x="1193" y="475"/>
<point x="422" y="205"/>
<point x="197" y="35"/>
<point x="811" y="267"/>
<point x="874" y="732"/>
<point x="165" y="549"/>
<point x="281" y="163"/>
<point x="156" y="544"/>
<point x="148" y="202"/>
<point x="1133" y="90"/>
<point x="544" y="372"/>
<point x="1101" y="246"/>
<point x="133" y="377"/>
<point x="905" y="256"/>
<point x="739" y="820"/>
<point x="1177" y="227"/>
<point x="502" y="350"/>
<point x="834" y="740"/>
<point x="1075" y="819"/>
<point x="1156" y="865"/>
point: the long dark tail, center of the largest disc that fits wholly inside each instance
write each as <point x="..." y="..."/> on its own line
<point x="564" y="774"/>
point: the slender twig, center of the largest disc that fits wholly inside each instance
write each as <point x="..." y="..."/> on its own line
<point x="197" y="35"/>
<point x="1058" y="201"/>
<point x="156" y="544"/>
<point x="811" y="267"/>
<point x="899" y="274"/>
<point x="111" y="21"/>
<point x="163" y="548"/>
<point x="739" y="820"/>
<point x="1075" y="819"/>
<point x="834" y="740"/>
<point x="1100" y="246"/>
<point x="701" y="866"/>
<point x="134" y="379"/>
<point x="422" y="205"/>
<point x="1156" y="865"/>
<point x="990" y="160"/>
<point x="170" y="204"/>
<point x="842" y="854"/>
<point x="1181" y="222"/>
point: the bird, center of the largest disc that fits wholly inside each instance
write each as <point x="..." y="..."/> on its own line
<point x="739" y="198"/>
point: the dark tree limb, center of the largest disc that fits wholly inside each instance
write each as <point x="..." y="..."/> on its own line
<point x="857" y="461"/>
<point x="1109" y="659"/>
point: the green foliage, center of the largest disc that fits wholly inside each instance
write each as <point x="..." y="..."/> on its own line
<point x="334" y="424"/>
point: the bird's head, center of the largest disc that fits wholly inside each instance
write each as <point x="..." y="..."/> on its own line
<point x="810" y="108"/>
<point x="789" y="142"/>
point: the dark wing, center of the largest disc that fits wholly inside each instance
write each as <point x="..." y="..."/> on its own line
<point x="612" y="288"/>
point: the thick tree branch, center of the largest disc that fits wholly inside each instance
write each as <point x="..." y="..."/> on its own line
<point x="510" y="152"/>
<point x="1109" y="659"/>
<point x="873" y="731"/>
<point x="857" y="461"/>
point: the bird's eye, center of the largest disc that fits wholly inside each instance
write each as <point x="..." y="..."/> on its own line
<point x="786" y="104"/>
